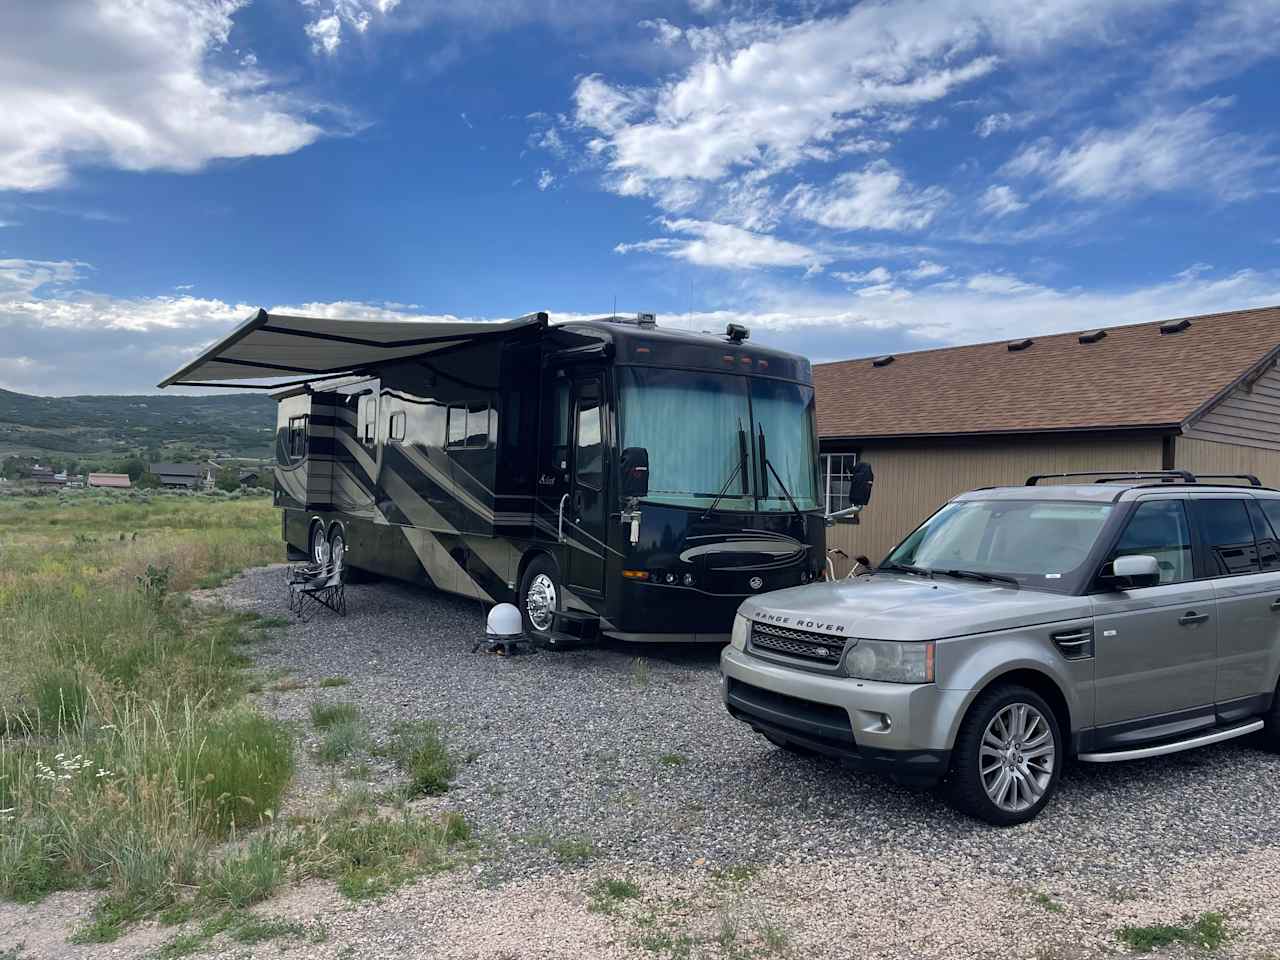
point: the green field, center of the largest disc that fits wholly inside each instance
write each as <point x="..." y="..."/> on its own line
<point x="130" y="752"/>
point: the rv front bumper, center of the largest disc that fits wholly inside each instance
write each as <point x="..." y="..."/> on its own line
<point x="892" y="728"/>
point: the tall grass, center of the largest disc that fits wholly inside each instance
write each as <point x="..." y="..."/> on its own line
<point x="125" y="750"/>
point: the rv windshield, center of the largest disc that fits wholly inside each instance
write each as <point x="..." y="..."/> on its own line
<point x="697" y="425"/>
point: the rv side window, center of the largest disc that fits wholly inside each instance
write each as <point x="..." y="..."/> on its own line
<point x="369" y="420"/>
<point x="297" y="438"/>
<point x="469" y="425"/>
<point x="589" y="458"/>
<point x="395" y="427"/>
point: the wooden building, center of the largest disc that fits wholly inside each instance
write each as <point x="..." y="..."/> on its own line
<point x="1200" y="393"/>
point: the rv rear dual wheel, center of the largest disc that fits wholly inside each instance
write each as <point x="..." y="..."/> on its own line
<point x="319" y="546"/>
<point x="540" y="597"/>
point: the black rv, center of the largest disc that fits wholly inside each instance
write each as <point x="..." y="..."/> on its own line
<point x="608" y="477"/>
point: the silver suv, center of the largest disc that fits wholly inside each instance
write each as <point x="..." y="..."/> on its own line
<point x="1110" y="619"/>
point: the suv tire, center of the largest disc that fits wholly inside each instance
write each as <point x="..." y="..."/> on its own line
<point x="1271" y="732"/>
<point x="992" y="778"/>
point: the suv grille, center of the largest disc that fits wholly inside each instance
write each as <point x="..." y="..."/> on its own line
<point x="818" y="647"/>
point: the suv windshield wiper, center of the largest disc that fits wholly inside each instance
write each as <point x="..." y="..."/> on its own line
<point x="768" y="464"/>
<point x="978" y="575"/>
<point x="906" y="568"/>
<point x="740" y="468"/>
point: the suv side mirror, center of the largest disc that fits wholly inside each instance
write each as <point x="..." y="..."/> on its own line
<point x="635" y="473"/>
<point x="1129" y="572"/>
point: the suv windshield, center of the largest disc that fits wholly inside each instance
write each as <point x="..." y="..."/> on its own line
<point x="697" y="426"/>
<point x="1039" y="543"/>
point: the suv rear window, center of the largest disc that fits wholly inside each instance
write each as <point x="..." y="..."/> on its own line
<point x="1228" y="536"/>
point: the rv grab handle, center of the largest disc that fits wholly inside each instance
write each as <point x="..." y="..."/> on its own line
<point x="560" y="520"/>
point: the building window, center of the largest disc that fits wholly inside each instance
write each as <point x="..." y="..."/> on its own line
<point x="297" y="438"/>
<point x="469" y="426"/>
<point x="837" y="477"/>
<point x="395" y="427"/>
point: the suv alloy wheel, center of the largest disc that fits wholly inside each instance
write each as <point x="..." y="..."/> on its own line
<point x="1008" y="756"/>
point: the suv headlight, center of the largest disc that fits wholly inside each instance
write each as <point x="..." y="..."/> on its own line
<point x="741" y="627"/>
<point x="890" y="661"/>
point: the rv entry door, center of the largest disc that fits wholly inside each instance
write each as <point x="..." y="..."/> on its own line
<point x="585" y="513"/>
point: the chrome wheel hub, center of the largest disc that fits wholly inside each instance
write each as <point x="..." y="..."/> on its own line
<point x="540" y="602"/>
<point x="1017" y="758"/>
<point x="320" y="548"/>
<point x="338" y="550"/>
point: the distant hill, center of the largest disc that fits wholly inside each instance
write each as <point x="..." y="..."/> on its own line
<point x="230" y="425"/>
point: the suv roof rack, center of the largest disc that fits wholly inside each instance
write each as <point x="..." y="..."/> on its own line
<point x="1162" y="476"/>
<point x="1106" y="476"/>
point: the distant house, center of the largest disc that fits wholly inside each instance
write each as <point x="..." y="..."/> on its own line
<point x="119" y="480"/>
<point x="45" y="475"/>
<point x="183" y="476"/>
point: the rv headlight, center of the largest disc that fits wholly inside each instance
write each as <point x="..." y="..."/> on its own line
<point x="890" y="661"/>
<point x="741" y="627"/>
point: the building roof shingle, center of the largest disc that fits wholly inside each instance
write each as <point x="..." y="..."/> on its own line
<point x="1134" y="377"/>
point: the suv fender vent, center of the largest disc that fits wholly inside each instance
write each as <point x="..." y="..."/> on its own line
<point x="1074" y="644"/>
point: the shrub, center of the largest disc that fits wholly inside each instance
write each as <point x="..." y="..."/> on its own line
<point x="341" y="740"/>
<point x="237" y="772"/>
<point x="421" y="752"/>
<point x="242" y="880"/>
<point x="325" y="715"/>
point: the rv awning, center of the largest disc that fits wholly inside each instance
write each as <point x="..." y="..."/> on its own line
<point x="272" y="345"/>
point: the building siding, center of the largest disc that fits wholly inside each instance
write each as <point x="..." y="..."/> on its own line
<point x="1205" y="456"/>
<point x="1249" y="416"/>
<point x="912" y="479"/>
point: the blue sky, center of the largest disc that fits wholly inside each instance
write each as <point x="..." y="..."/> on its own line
<point x="846" y="179"/>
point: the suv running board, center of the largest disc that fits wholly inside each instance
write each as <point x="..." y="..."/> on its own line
<point x="1202" y="741"/>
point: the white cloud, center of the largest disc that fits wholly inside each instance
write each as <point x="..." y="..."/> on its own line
<point x="766" y="94"/>
<point x="129" y="344"/>
<point x="925" y="270"/>
<point x="545" y="179"/>
<point x="876" y="198"/>
<point x="721" y="245"/>
<point x="664" y="31"/>
<point x="873" y="276"/>
<point x="325" y="34"/>
<point x="1001" y="122"/>
<point x="1000" y="200"/>
<point x="328" y="20"/>
<point x="1228" y="36"/>
<point x="1184" y="151"/>
<point x="139" y="87"/>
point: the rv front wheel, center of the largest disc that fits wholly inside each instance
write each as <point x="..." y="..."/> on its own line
<point x="540" y="598"/>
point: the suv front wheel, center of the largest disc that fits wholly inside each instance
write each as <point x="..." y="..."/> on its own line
<point x="1007" y="758"/>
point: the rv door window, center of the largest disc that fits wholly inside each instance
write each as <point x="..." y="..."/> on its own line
<point x="589" y="459"/>
<point x="395" y="427"/>
<point x="297" y="438"/>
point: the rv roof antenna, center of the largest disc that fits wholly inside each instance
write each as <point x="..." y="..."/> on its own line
<point x="615" y="305"/>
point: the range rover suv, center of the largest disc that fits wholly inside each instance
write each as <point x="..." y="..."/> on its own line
<point x="1096" y="619"/>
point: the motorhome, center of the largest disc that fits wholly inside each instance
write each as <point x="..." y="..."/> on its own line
<point x="610" y="477"/>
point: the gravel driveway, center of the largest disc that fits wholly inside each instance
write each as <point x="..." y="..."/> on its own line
<point x="627" y="752"/>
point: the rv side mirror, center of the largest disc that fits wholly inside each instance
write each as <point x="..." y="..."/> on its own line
<point x="635" y="473"/>
<point x="860" y="483"/>
<point x="1133" y="571"/>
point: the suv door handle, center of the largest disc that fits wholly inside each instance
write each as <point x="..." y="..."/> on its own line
<point x="1190" y="617"/>
<point x="1275" y="605"/>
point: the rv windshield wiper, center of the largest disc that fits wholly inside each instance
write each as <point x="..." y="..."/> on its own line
<point x="978" y="575"/>
<point x="764" y="458"/>
<point x="906" y="568"/>
<point x="739" y="469"/>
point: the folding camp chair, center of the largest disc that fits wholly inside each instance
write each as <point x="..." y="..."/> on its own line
<point x="314" y="585"/>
